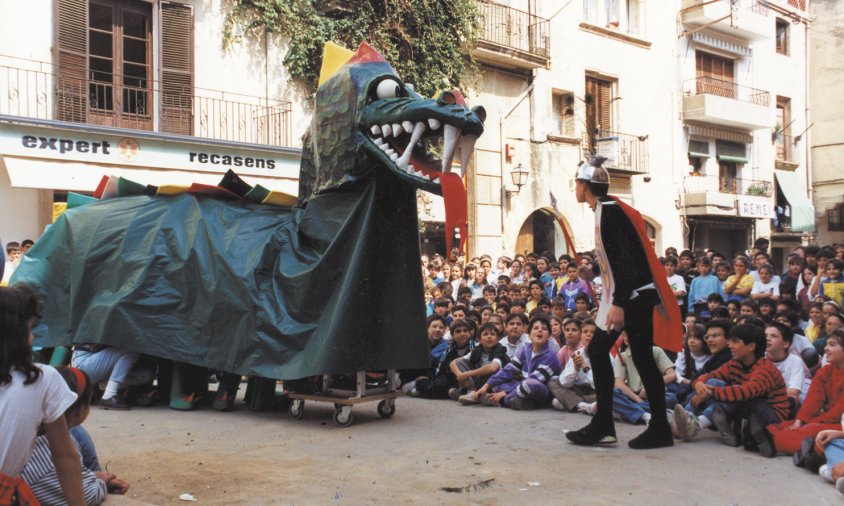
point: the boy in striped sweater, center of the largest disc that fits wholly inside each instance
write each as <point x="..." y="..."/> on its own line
<point x="748" y="387"/>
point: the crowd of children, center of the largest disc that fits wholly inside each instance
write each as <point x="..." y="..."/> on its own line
<point x="762" y="363"/>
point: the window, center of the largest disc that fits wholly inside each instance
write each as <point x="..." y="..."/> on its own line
<point x="105" y="51"/>
<point x="598" y="105"/>
<point x="715" y="75"/>
<point x="698" y="153"/>
<point x="119" y="69"/>
<point x="622" y="15"/>
<point x="563" y="114"/>
<point x="782" y="36"/>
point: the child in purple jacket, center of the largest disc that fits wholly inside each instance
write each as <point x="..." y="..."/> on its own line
<point x="523" y="383"/>
<point x="573" y="285"/>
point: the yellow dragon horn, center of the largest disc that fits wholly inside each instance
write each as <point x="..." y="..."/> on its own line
<point x="333" y="57"/>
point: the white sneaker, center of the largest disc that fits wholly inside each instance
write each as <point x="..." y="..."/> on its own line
<point x="589" y="409"/>
<point x="556" y="404"/>
<point x="839" y="484"/>
<point x="686" y="423"/>
<point x="415" y="393"/>
<point x="407" y="387"/>
<point x="826" y="472"/>
<point x="669" y="415"/>
<point x="467" y="399"/>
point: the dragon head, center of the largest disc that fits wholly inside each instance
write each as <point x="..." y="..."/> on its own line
<point x="367" y="119"/>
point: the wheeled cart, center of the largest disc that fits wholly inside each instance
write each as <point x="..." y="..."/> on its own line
<point x="344" y="398"/>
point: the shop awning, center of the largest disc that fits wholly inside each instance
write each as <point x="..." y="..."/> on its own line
<point x="84" y="177"/>
<point x="698" y="149"/>
<point x="802" y="210"/>
<point x="731" y="152"/>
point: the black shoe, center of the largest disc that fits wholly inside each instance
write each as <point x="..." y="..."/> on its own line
<point x="807" y="447"/>
<point x="762" y="437"/>
<point x="725" y="427"/>
<point x="657" y="435"/>
<point x="593" y="435"/>
<point x="114" y="403"/>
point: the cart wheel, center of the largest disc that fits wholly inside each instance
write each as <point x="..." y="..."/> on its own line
<point x="297" y="408"/>
<point x="343" y="416"/>
<point x="387" y="408"/>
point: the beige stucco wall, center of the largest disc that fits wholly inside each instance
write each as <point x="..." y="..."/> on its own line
<point x="827" y="95"/>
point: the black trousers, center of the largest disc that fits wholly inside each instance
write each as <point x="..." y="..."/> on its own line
<point x="638" y="322"/>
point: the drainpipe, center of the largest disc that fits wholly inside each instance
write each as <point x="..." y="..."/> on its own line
<point x="808" y="113"/>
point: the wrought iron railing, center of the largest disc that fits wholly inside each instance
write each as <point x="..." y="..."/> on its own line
<point x="624" y="152"/>
<point x="726" y="184"/>
<point x="786" y="147"/>
<point x="140" y="104"/>
<point x="728" y="89"/>
<point x="513" y="28"/>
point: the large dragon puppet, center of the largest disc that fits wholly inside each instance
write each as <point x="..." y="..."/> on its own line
<point x="216" y="279"/>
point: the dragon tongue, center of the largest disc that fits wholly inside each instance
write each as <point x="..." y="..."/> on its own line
<point x="451" y="135"/>
<point x="467" y="145"/>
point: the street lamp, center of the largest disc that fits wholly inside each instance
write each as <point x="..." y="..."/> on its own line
<point x="519" y="176"/>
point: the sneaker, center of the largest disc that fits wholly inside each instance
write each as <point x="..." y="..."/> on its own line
<point x="414" y="392"/>
<point x="807" y="447"/>
<point x="487" y="399"/>
<point x="454" y="393"/>
<point x="762" y="437"/>
<point x="825" y="472"/>
<point x="114" y="403"/>
<point x="657" y="435"/>
<point x="556" y="404"/>
<point x="669" y="414"/>
<point x="687" y="424"/>
<point x="589" y="409"/>
<point x="592" y="436"/>
<point x="467" y="399"/>
<point x="725" y="427"/>
<point x="407" y="387"/>
<point x="839" y="485"/>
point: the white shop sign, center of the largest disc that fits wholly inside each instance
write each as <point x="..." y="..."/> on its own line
<point x="755" y="207"/>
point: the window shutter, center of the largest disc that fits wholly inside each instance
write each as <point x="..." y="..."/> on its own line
<point x="604" y="103"/>
<point x="176" y="23"/>
<point x="72" y="60"/>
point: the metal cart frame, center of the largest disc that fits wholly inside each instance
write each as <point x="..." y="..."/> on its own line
<point x="344" y="400"/>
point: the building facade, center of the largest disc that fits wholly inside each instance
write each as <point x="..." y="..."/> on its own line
<point x="827" y="92"/>
<point x="139" y="89"/>
<point x="701" y="109"/>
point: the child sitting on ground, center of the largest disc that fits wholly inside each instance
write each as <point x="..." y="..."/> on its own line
<point x="40" y="473"/>
<point x="793" y="370"/>
<point x="574" y="389"/>
<point x="31" y="396"/>
<point x="690" y="362"/>
<point x="629" y="395"/>
<point x="523" y="383"/>
<point x="474" y="369"/>
<point x="747" y="387"/>
<point x="438" y="385"/>
<point x="821" y="410"/>
<point x="571" y="333"/>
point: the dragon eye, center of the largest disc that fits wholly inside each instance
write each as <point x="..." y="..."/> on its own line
<point x="388" y="88"/>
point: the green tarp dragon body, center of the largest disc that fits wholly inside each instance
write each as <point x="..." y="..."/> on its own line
<point x="331" y="285"/>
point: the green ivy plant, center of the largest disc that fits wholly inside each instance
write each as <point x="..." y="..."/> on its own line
<point x="428" y="42"/>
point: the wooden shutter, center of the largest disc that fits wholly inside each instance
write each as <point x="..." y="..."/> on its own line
<point x="598" y="110"/>
<point x="72" y="60"/>
<point x="176" y="24"/>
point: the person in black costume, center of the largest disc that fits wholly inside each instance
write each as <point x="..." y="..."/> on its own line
<point x="628" y="299"/>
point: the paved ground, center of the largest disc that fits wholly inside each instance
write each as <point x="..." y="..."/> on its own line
<point x="431" y="452"/>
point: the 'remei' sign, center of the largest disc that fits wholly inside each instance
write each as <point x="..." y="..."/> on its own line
<point x="755" y="207"/>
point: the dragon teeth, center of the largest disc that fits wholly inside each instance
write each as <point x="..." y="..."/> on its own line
<point x="394" y="156"/>
<point x="387" y="130"/>
<point x="433" y="123"/>
<point x="451" y="135"/>
<point x="418" y="130"/>
<point x="407" y="125"/>
<point x="379" y="142"/>
<point x="467" y="145"/>
<point x="376" y="130"/>
<point x="397" y="129"/>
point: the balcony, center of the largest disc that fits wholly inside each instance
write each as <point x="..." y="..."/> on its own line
<point x="33" y="91"/>
<point x="742" y="19"/>
<point x="725" y="103"/>
<point x="512" y="38"/>
<point x="787" y="156"/>
<point x="722" y="196"/>
<point x="625" y="153"/>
